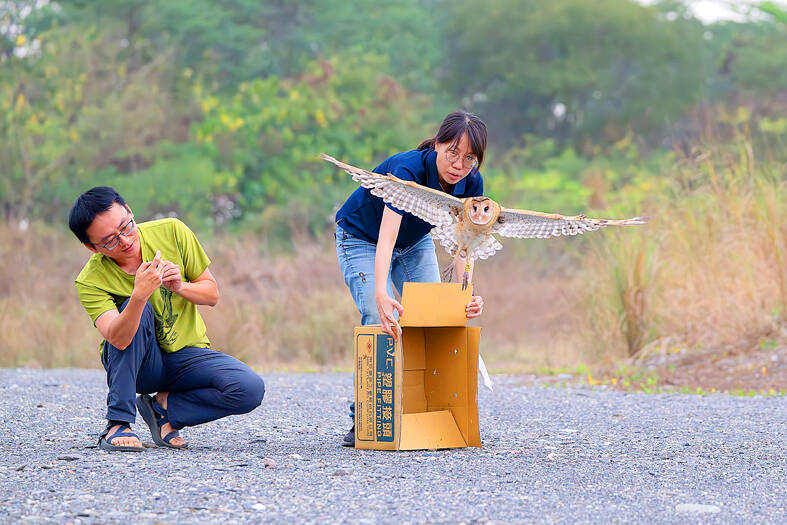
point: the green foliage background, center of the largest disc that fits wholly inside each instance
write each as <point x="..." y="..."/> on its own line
<point x="215" y="111"/>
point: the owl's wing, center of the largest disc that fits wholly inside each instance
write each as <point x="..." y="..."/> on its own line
<point x="435" y="207"/>
<point x="526" y="224"/>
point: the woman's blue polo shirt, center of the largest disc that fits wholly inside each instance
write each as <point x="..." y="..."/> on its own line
<point x="362" y="213"/>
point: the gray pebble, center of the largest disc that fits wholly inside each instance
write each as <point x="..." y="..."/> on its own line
<point x="697" y="507"/>
<point x="606" y="468"/>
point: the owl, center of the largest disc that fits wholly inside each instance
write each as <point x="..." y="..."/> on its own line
<point x="465" y="227"/>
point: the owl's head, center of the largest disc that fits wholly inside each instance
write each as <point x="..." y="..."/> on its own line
<point x="481" y="210"/>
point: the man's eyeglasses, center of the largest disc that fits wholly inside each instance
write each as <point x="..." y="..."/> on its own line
<point x="469" y="161"/>
<point x="124" y="231"/>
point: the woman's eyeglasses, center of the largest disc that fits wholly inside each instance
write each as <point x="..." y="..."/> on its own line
<point x="469" y="161"/>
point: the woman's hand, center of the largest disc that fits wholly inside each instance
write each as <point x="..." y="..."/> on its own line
<point x="475" y="307"/>
<point x="385" y="307"/>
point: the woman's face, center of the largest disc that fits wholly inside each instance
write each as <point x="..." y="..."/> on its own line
<point x="455" y="162"/>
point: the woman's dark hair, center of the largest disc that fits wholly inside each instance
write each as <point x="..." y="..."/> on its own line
<point x="87" y="206"/>
<point x="454" y="126"/>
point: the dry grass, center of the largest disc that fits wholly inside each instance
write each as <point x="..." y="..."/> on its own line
<point x="708" y="272"/>
<point x="288" y="310"/>
<point x="277" y="311"/>
<point x="532" y="309"/>
<point x="41" y="320"/>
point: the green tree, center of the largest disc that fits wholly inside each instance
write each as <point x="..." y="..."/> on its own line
<point x="226" y="42"/>
<point x="64" y="122"/>
<point x="759" y="54"/>
<point x="571" y="69"/>
<point x="266" y="138"/>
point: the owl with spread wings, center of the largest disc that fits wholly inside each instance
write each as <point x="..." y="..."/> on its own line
<point x="465" y="227"/>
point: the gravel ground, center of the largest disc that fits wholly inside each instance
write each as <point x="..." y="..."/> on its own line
<point x="556" y="455"/>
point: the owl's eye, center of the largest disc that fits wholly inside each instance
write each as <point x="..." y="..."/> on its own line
<point x="486" y="209"/>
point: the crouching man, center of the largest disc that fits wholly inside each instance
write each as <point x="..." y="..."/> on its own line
<point x="141" y="288"/>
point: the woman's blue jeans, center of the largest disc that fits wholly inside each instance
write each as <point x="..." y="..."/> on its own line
<point x="416" y="263"/>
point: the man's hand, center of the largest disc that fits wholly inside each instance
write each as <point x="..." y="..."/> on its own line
<point x="170" y="279"/>
<point x="475" y="307"/>
<point x="148" y="278"/>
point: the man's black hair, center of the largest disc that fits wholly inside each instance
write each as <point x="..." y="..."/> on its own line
<point x="87" y="206"/>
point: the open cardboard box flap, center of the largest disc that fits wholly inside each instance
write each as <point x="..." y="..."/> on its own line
<point x="435" y="304"/>
<point x="430" y="430"/>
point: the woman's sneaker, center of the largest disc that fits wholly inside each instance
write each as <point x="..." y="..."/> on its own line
<point x="349" y="439"/>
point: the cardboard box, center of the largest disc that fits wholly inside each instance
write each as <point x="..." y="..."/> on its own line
<point x="421" y="391"/>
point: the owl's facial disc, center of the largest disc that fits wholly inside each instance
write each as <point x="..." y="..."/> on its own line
<point x="481" y="212"/>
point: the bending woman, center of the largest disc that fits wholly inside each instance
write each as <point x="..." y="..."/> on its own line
<point x="380" y="247"/>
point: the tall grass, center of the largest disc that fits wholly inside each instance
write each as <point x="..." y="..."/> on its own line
<point x="41" y="320"/>
<point x="281" y="310"/>
<point x="710" y="269"/>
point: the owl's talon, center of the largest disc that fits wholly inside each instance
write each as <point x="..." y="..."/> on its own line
<point x="448" y="273"/>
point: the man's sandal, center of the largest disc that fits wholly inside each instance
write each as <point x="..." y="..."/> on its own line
<point x="156" y="417"/>
<point x="105" y="441"/>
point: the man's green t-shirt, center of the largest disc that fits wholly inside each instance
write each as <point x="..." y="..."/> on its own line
<point x="103" y="286"/>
